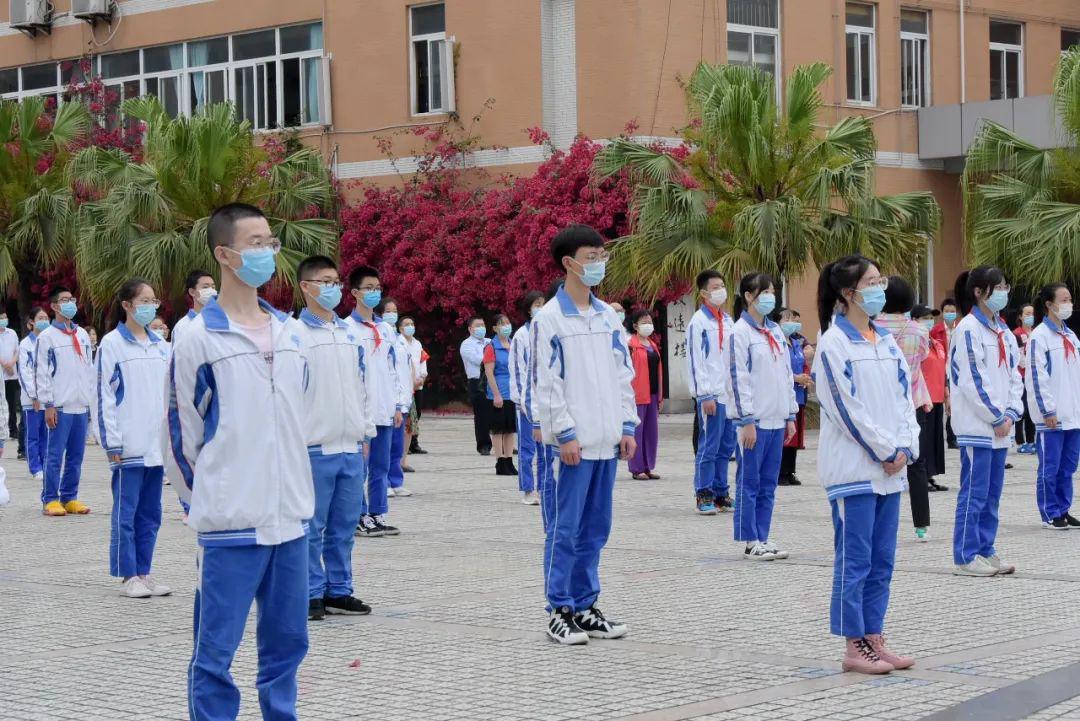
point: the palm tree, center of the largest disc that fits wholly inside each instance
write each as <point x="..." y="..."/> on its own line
<point x="1022" y="203"/>
<point x="152" y="216"/>
<point x="754" y="188"/>
<point x="37" y="207"/>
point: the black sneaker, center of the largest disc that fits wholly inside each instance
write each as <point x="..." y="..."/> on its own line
<point x="368" y="528"/>
<point x="793" y="480"/>
<point x="723" y="503"/>
<point x="1073" y="523"/>
<point x="417" y="450"/>
<point x="784" y="480"/>
<point x="592" y="622"/>
<point x="1058" y="524"/>
<point x="1008" y="466"/>
<point x="386" y="529"/>
<point x="511" y="469"/>
<point x="345" y="606"/>
<point x="935" y="486"/>
<point x="562" y="628"/>
<point x="315" y="610"/>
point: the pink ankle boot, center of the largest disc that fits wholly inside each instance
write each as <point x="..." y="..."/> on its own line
<point x="861" y="657"/>
<point x="877" y="642"/>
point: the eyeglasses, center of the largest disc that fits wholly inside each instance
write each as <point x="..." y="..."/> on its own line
<point x="882" y="282"/>
<point x="156" y="303"/>
<point x="326" y="283"/>
<point x="599" y="257"/>
<point x="263" y="243"/>
<point x="366" y="288"/>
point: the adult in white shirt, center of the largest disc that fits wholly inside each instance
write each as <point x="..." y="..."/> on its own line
<point x="200" y="289"/>
<point x="9" y="361"/>
<point x="415" y="375"/>
<point x="472" y="357"/>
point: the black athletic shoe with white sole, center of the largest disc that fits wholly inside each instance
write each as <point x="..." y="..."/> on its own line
<point x="592" y="622"/>
<point x="563" y="629"/>
<point x="387" y="530"/>
<point x="1073" y="523"/>
<point x="315" y="610"/>
<point x="345" y="606"/>
<point x="368" y="529"/>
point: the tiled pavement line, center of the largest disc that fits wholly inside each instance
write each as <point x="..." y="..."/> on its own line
<point x="1018" y="700"/>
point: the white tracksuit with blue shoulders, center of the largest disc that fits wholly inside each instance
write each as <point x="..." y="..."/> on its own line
<point x="388" y="397"/>
<point x="867" y="418"/>
<point x="130" y="413"/>
<point x="33" y="420"/>
<point x="395" y="475"/>
<point x="708" y="357"/>
<point x="582" y="391"/>
<point x="339" y="422"/>
<point x="535" y="460"/>
<point x="987" y="390"/>
<point x="182" y="325"/>
<point x="762" y="394"/>
<point x="1053" y="391"/>
<point x="237" y="455"/>
<point x="64" y="380"/>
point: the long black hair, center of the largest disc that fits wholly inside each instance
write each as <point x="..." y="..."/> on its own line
<point x="899" y="296"/>
<point x="755" y="283"/>
<point x="1046" y="295"/>
<point x="127" y="293"/>
<point x="983" y="278"/>
<point x="838" y="276"/>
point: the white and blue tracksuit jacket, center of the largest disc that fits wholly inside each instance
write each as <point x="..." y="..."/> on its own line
<point x="867" y="414"/>
<point x="63" y="379"/>
<point x="986" y="389"/>
<point x="339" y="416"/>
<point x="130" y="396"/>
<point x="521" y="373"/>
<point x="709" y="363"/>
<point x="384" y="382"/>
<point x="236" y="431"/>
<point x="582" y="377"/>
<point x="27" y="346"/>
<point x="762" y="385"/>
<point x="1053" y="376"/>
<point x="182" y="325"/>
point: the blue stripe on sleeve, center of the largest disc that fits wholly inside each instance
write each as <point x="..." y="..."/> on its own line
<point x="834" y="391"/>
<point x="977" y="377"/>
<point x="176" y="439"/>
<point x="1035" y="377"/>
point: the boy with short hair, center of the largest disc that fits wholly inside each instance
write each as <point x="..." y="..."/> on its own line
<point x="201" y="288"/>
<point x="236" y="426"/>
<point x="584" y="403"/>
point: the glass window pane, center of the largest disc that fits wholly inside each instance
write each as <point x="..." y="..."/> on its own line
<point x="9" y="80"/>
<point x="765" y="53"/>
<point x="254" y="45"/>
<point x="39" y="76"/>
<point x="299" y="38"/>
<point x="290" y="80"/>
<point x="913" y="21"/>
<point x="852" y="66"/>
<point x="208" y="52"/>
<point x="1069" y="38"/>
<point x="907" y="79"/>
<point x="170" y="96"/>
<point x="1012" y="75"/>
<point x="428" y="19"/>
<point x="738" y="48"/>
<point x="997" y="88"/>
<point x="269" y="85"/>
<point x="1005" y="33"/>
<point x="861" y="15"/>
<point x="165" y="57"/>
<point x="119" y="65"/>
<point x="436" y="50"/>
<point x="867" y="67"/>
<point x="244" y="88"/>
<point x="761" y="13"/>
<point x="72" y="71"/>
<point x="312" y="87"/>
<point x="420" y="56"/>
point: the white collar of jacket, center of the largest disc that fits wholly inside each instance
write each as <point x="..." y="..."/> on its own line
<point x="841" y="321"/>
<point x="569" y="307"/>
<point x="216" y="320"/>
<point x="996" y="326"/>
<point x="126" y="334"/>
<point x="310" y="319"/>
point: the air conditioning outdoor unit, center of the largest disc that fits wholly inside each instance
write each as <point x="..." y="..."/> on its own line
<point x="92" y="9"/>
<point x="31" y="16"/>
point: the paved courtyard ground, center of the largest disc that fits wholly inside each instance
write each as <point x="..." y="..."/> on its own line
<point x="457" y="631"/>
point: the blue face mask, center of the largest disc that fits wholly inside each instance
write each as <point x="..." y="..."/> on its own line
<point x="68" y="309"/>
<point x="765" y="303"/>
<point x="949" y="317"/>
<point x="1029" y="320"/>
<point x="257" y="266"/>
<point x="998" y="300"/>
<point x="409" y="331"/>
<point x="329" y="296"/>
<point x="791" y="328"/>
<point x="144" y="314"/>
<point x="504" y="330"/>
<point x="479" y="332"/>
<point x="41" y="326"/>
<point x="372" y="298"/>
<point x="593" y="273"/>
<point x="3" y="322"/>
<point x="873" y="300"/>
<point x="390" y="318"/>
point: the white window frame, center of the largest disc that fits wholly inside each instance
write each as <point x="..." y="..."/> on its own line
<point x="449" y="100"/>
<point x="923" y="76"/>
<point x="1018" y="50"/>
<point x="753" y="30"/>
<point x="1065" y="29"/>
<point x="863" y="33"/>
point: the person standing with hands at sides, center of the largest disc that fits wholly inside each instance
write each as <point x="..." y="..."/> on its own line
<point x="708" y="338"/>
<point x="395" y="477"/>
<point x="9" y="364"/>
<point x="986" y="391"/>
<point x="868" y="437"/>
<point x="472" y="356"/>
<point x="503" y="412"/>
<point x="943" y="334"/>
<point x="132" y="364"/>
<point x="33" y="414"/>
<point x="64" y="386"/>
<point x="1025" y="427"/>
<point x="648" y="394"/>
<point x="416" y="370"/>
<point x="386" y="392"/>
<point x="201" y="288"/>
<point x="339" y="423"/>
<point x="763" y="393"/>
<point x="932" y="436"/>
<point x="791" y="326"/>
<point x="535" y="460"/>
<point x="1053" y="397"/>
<point x="236" y="442"/>
<point x="584" y="402"/>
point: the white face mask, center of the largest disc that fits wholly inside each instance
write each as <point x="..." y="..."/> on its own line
<point x="1064" y="310"/>
<point x="718" y="297"/>
<point x="645" y="330"/>
<point x="205" y="294"/>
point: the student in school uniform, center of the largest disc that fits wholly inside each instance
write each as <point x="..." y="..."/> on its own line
<point x="132" y="364"/>
<point x="709" y="371"/>
<point x="984" y="375"/>
<point x="33" y="423"/>
<point x="395" y="477"/>
<point x="798" y="349"/>
<point x="763" y="396"/>
<point x="648" y="394"/>
<point x="869" y="435"/>
<point x="237" y="453"/>
<point x="388" y="401"/>
<point x="535" y="459"/>
<point x="1053" y="380"/>
<point x="472" y="357"/>
<point x="201" y="288"/>
<point x="339" y="423"/>
<point x="503" y="419"/>
<point x="64" y="386"/>
<point x="9" y="365"/>
<point x="584" y="402"/>
<point x="416" y="371"/>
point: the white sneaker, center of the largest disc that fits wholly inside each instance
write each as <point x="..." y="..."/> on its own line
<point x="771" y="548"/>
<point x="1003" y="569"/>
<point x="402" y="491"/>
<point x="979" y="566"/>
<point x="758" y="552"/>
<point x="390" y="492"/>
<point x="135" y="588"/>
<point x="5" y="495"/>
<point x="156" y="589"/>
<point x="39" y="476"/>
<point x="530" y="498"/>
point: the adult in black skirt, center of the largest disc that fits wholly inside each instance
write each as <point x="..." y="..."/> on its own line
<point x="932" y="422"/>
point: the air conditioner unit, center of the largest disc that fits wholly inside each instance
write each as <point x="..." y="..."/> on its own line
<point x="92" y="9"/>
<point x="30" y="16"/>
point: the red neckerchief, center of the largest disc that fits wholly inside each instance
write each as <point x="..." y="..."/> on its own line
<point x="772" y="341"/>
<point x="74" y="335"/>
<point x="1001" y="345"/>
<point x="1070" y="349"/>
<point x="719" y="323"/>
<point x="374" y="329"/>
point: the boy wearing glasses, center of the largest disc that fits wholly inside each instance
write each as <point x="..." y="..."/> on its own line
<point x="236" y="422"/>
<point x="585" y="405"/>
<point x="339" y="423"/>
